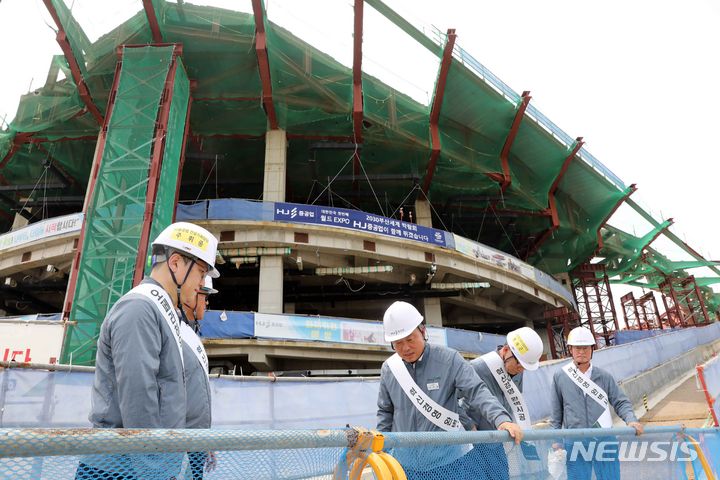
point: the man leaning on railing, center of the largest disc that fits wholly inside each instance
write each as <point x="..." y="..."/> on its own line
<point x="419" y="389"/>
<point x="581" y="398"/>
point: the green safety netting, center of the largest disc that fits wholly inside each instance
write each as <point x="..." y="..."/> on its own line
<point x="312" y="98"/>
<point x="114" y="222"/>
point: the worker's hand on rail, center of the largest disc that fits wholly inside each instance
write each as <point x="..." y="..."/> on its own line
<point x="513" y="429"/>
<point x="637" y="426"/>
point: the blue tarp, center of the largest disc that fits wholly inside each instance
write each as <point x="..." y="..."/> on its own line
<point x="237" y="209"/>
<point x="195" y="211"/>
<point x="235" y="325"/>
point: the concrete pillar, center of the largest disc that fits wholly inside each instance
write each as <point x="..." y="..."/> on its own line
<point x="275" y="166"/>
<point x="270" y="292"/>
<point x="423" y="214"/>
<point x="433" y="313"/>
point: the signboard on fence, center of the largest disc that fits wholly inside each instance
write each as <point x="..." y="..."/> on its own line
<point x="22" y="341"/>
<point x="358" y="221"/>
<point x="42" y="229"/>
<point x="298" y="327"/>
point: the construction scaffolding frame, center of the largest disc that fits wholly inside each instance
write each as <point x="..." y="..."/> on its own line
<point x="559" y="322"/>
<point x="596" y="308"/>
<point x="684" y="303"/>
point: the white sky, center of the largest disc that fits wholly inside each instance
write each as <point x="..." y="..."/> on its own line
<point x="636" y="79"/>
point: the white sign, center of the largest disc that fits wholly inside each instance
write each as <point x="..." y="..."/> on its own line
<point x="325" y="329"/>
<point x="42" y="229"/>
<point x="31" y="342"/>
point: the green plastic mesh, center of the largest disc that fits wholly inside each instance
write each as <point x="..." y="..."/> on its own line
<point x="312" y="96"/>
<point x="115" y="218"/>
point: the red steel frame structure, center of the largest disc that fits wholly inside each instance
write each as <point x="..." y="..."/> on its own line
<point x="559" y="322"/>
<point x="435" y="110"/>
<point x="596" y="308"/>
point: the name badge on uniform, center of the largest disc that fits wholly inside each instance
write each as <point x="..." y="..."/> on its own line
<point x="433" y="386"/>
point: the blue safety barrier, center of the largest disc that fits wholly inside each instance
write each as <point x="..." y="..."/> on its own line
<point x="614" y="454"/>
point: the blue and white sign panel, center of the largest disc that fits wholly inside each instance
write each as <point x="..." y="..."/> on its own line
<point x="359" y="221"/>
<point x="324" y="329"/>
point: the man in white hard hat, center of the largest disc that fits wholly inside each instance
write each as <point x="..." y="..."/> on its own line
<point x="502" y="371"/>
<point x="581" y="397"/>
<point x="139" y="372"/>
<point x="419" y="389"/>
<point x="197" y="383"/>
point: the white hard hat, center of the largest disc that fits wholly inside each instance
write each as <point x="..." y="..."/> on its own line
<point x="208" y="286"/>
<point x="527" y="347"/>
<point x="581" y="337"/>
<point x="400" y="320"/>
<point x="191" y="240"/>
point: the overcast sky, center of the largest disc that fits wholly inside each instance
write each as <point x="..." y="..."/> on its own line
<point x="638" y="80"/>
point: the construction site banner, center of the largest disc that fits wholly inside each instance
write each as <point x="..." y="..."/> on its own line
<point x="360" y="221"/>
<point x="296" y="327"/>
<point x="490" y="256"/>
<point x="42" y="230"/>
<point x="30" y="340"/>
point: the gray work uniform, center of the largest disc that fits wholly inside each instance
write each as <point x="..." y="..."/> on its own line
<point x="483" y="371"/>
<point x="572" y="408"/>
<point x="454" y="378"/>
<point x="139" y="380"/>
<point x="197" y="384"/>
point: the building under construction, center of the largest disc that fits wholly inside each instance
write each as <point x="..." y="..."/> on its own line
<point x="331" y="192"/>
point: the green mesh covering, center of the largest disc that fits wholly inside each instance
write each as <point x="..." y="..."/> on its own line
<point x="114" y="220"/>
<point x="312" y="97"/>
<point x="174" y="141"/>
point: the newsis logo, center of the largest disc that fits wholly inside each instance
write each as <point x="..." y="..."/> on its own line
<point x="636" y="451"/>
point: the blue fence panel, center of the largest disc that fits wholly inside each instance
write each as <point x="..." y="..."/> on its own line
<point x="473" y="342"/>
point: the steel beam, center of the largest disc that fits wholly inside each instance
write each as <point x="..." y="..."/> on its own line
<point x="74" y="64"/>
<point x="358" y="113"/>
<point x="505" y="152"/>
<point x="263" y="62"/>
<point x="153" y="21"/>
<point x="435" y="110"/>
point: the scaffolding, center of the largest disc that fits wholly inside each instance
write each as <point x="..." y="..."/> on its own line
<point x="132" y="190"/>
<point x="559" y="322"/>
<point x="642" y="313"/>
<point x="684" y="302"/>
<point x="596" y="309"/>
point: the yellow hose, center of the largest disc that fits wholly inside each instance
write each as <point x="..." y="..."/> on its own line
<point x="703" y="461"/>
<point x="394" y="466"/>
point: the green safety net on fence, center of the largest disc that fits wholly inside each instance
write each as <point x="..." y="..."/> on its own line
<point x="115" y="218"/>
<point x="312" y="97"/>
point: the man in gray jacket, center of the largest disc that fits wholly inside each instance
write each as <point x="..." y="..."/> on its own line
<point x="502" y="371"/>
<point x="581" y="398"/>
<point x="139" y="374"/>
<point x="197" y="383"/>
<point x="419" y="388"/>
